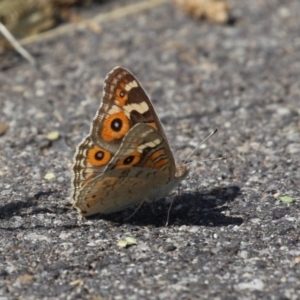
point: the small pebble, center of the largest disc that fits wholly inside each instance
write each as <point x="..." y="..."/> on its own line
<point x="169" y="247"/>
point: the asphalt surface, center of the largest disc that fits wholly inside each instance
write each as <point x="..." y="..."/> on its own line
<point x="234" y="230"/>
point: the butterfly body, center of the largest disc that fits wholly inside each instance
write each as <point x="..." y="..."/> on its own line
<point x="126" y="158"/>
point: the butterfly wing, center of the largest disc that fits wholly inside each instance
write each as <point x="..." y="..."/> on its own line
<point x="137" y="172"/>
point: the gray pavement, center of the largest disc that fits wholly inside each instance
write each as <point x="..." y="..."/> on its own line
<point x="232" y="234"/>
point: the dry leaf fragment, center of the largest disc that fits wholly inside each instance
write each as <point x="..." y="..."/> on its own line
<point x="49" y="176"/>
<point x="286" y="199"/>
<point x="3" y="128"/>
<point x="213" y="10"/>
<point x="128" y="241"/>
<point x="30" y="17"/>
<point x="77" y="282"/>
<point x="26" y="278"/>
<point x="52" y="136"/>
<point x="297" y="259"/>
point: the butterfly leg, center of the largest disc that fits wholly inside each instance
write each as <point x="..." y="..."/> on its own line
<point x="80" y="220"/>
<point x="139" y="206"/>
<point x="169" y="210"/>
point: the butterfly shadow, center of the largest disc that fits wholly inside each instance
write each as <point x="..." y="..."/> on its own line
<point x="205" y="208"/>
<point x="14" y="208"/>
<point x="31" y="206"/>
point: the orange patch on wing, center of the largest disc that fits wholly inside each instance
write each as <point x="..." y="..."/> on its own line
<point x="98" y="157"/>
<point x="157" y="154"/>
<point x="152" y="124"/>
<point x="150" y="162"/>
<point x="108" y="134"/>
<point x="161" y="163"/>
<point x="129" y="160"/>
<point x="121" y="95"/>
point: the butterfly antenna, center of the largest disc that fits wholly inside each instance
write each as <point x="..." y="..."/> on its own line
<point x="197" y="147"/>
<point x="211" y="159"/>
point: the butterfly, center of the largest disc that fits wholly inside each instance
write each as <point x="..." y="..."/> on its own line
<point x="126" y="158"/>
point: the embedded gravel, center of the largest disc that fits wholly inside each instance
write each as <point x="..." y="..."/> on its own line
<point x="232" y="234"/>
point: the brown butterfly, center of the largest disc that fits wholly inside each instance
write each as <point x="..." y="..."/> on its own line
<point x="126" y="158"/>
